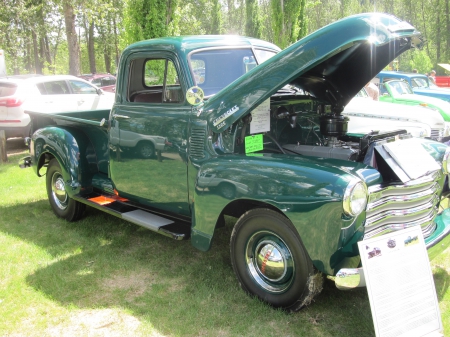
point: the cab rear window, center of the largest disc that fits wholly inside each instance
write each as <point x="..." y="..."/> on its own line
<point x="7" y="89"/>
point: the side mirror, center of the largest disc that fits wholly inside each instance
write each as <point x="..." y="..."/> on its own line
<point x="99" y="91"/>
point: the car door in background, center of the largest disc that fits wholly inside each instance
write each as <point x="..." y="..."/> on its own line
<point x="55" y="96"/>
<point x="87" y="97"/>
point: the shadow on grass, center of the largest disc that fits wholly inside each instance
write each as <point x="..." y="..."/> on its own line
<point x="104" y="262"/>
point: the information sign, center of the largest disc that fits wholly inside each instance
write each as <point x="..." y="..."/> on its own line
<point x="400" y="285"/>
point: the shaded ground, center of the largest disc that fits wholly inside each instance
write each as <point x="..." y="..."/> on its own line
<point x="15" y="145"/>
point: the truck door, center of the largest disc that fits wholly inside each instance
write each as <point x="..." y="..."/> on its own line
<point x="148" y="135"/>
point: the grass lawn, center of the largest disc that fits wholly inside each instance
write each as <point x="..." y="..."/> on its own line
<point x="102" y="276"/>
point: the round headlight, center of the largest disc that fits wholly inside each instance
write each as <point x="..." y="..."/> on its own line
<point x="423" y="133"/>
<point x="355" y="198"/>
<point x="446" y="161"/>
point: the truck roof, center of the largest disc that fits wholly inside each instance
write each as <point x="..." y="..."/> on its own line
<point x="186" y="44"/>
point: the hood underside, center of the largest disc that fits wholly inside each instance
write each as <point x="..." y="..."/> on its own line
<point x="332" y="65"/>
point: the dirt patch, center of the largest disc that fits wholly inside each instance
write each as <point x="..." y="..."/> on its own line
<point x="101" y="322"/>
<point x="136" y="284"/>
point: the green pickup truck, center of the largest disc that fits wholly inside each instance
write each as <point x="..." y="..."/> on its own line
<point x="232" y="126"/>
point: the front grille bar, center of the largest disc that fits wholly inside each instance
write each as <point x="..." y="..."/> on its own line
<point x="393" y="207"/>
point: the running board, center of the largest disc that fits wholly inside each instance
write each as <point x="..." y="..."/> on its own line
<point x="120" y="208"/>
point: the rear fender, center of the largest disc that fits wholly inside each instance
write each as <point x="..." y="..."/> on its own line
<point x="74" y="152"/>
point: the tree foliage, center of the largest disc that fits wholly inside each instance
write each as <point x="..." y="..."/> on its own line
<point x="78" y="36"/>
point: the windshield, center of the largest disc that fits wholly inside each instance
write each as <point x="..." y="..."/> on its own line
<point x="419" y="82"/>
<point x="362" y="93"/>
<point x="399" y="87"/>
<point x="214" y="69"/>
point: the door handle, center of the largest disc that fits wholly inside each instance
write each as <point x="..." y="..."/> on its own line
<point x="120" y="116"/>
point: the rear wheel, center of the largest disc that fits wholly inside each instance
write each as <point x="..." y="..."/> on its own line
<point x="146" y="150"/>
<point x="271" y="262"/>
<point x="63" y="206"/>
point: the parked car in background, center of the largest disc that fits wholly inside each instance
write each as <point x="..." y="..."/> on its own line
<point x="366" y="115"/>
<point x="106" y="82"/>
<point x="419" y="83"/>
<point x="46" y="94"/>
<point x="443" y="81"/>
<point x="400" y="92"/>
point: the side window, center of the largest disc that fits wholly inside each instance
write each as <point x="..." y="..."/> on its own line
<point x="264" y="55"/>
<point x="161" y="83"/>
<point x="383" y="90"/>
<point x="79" y="87"/>
<point x="158" y="70"/>
<point x="53" y="88"/>
<point x="97" y="81"/>
<point x="108" y="81"/>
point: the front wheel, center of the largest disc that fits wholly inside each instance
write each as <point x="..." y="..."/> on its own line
<point x="271" y="262"/>
<point x="63" y="206"/>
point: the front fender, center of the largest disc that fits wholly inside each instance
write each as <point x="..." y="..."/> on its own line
<point x="74" y="152"/>
<point x="307" y="190"/>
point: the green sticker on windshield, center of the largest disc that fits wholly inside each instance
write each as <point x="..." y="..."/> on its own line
<point x="253" y="143"/>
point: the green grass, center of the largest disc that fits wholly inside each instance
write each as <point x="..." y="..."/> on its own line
<point x="102" y="276"/>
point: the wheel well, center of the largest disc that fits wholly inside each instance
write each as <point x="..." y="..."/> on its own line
<point x="223" y="183"/>
<point x="145" y="141"/>
<point x="43" y="160"/>
<point x="238" y="207"/>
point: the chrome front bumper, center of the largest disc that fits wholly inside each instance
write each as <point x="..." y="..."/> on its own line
<point x="350" y="278"/>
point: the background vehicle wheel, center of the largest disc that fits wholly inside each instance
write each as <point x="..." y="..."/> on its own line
<point x="146" y="150"/>
<point x="271" y="262"/>
<point x="63" y="206"/>
<point x="227" y="190"/>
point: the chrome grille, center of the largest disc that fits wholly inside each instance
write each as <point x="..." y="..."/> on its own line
<point x="197" y="141"/>
<point x="394" y="207"/>
<point x="437" y="133"/>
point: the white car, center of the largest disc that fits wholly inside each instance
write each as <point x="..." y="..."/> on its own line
<point x="48" y="94"/>
<point x="367" y="115"/>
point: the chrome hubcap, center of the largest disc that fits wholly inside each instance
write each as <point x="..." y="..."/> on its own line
<point x="59" y="191"/>
<point x="270" y="262"/>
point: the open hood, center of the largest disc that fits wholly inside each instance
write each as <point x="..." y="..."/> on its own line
<point x="332" y="64"/>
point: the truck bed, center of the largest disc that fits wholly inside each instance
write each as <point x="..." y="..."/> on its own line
<point x="91" y="117"/>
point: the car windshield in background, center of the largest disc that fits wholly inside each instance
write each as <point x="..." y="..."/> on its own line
<point x="419" y="82"/>
<point x="79" y="87"/>
<point x="104" y="81"/>
<point x="214" y="69"/>
<point x="400" y="88"/>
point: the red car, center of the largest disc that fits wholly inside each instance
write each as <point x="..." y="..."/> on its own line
<point x="106" y="82"/>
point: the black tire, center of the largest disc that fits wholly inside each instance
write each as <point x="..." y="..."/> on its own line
<point x="63" y="206"/>
<point x="287" y="281"/>
<point x="146" y="150"/>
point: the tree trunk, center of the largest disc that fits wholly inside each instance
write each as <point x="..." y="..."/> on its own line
<point x="48" y="57"/>
<point x="74" y="59"/>
<point x="107" y="59"/>
<point x="91" y="49"/>
<point x="438" y="33"/>
<point x="37" y="61"/>
<point x="447" y="24"/>
<point x="116" y="42"/>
